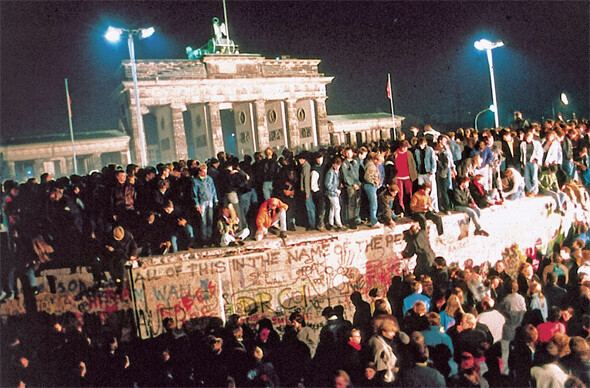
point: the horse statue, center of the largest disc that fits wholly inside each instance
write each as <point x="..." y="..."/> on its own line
<point x="218" y="44"/>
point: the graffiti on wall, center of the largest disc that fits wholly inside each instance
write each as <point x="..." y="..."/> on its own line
<point x="274" y="282"/>
<point x="269" y="284"/>
<point x="62" y="291"/>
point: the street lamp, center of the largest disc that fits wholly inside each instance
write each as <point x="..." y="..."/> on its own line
<point x="113" y="35"/>
<point x="563" y="99"/>
<point x="484" y="44"/>
<point x="492" y="108"/>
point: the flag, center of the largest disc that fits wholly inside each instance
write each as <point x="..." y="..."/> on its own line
<point x="389" y="88"/>
<point x="69" y="105"/>
<point x="69" y="100"/>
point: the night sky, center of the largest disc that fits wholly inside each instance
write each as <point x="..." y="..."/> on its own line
<point x="438" y="76"/>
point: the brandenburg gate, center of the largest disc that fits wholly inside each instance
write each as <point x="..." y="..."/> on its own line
<point x="235" y="103"/>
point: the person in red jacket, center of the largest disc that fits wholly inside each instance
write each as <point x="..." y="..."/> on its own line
<point x="272" y="212"/>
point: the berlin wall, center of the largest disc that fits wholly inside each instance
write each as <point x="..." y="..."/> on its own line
<point x="307" y="273"/>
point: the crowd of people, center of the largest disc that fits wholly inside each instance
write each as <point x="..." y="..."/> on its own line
<point x="108" y="218"/>
<point x="117" y="214"/>
<point x="454" y="325"/>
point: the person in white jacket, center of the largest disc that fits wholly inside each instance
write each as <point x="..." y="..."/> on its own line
<point x="553" y="153"/>
<point x="531" y="156"/>
<point x="513" y="184"/>
<point x="548" y="374"/>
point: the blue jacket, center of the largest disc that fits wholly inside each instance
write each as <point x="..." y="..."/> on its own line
<point x="429" y="160"/>
<point x="433" y="337"/>
<point x="455" y="150"/>
<point x="350" y="172"/>
<point x="332" y="183"/>
<point x="204" y="190"/>
<point x="410" y="300"/>
<point x="487" y="157"/>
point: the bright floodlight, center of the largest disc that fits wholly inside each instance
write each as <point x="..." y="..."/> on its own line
<point x="484" y="44"/>
<point x="113" y="34"/>
<point x="147" y="32"/>
<point x="492" y="108"/>
<point x="564" y="99"/>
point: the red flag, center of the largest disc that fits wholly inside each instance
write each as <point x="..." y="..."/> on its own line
<point x="389" y="89"/>
<point x="69" y="105"/>
<point x="68" y="99"/>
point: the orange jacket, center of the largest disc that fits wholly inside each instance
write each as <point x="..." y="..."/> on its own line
<point x="420" y="202"/>
<point x="264" y="218"/>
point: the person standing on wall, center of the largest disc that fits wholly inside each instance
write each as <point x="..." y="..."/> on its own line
<point x="305" y="187"/>
<point x="426" y="165"/>
<point x="350" y="178"/>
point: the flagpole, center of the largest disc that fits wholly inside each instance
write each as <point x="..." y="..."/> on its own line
<point x="226" y="28"/>
<point x="71" y="128"/>
<point x="391" y="101"/>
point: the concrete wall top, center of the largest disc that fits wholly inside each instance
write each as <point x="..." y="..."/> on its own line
<point x="361" y="122"/>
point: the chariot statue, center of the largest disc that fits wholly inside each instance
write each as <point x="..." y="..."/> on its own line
<point x="218" y="44"/>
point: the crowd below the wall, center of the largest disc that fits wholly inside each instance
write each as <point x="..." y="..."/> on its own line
<point x="523" y="322"/>
<point x="440" y="325"/>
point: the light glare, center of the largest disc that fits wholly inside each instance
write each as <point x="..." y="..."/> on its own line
<point x="484" y="44"/>
<point x="113" y="34"/>
<point x="147" y="32"/>
<point x="564" y="99"/>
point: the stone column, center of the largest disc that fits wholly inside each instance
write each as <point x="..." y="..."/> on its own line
<point x="261" y="124"/>
<point x="96" y="162"/>
<point x="38" y="168"/>
<point x="62" y="166"/>
<point x="293" y="125"/>
<point x="69" y="166"/>
<point x="215" y="127"/>
<point x="10" y="169"/>
<point x="322" y="121"/>
<point x="125" y="158"/>
<point x="178" y="131"/>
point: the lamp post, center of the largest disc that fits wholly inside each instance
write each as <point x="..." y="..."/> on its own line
<point x="113" y="35"/>
<point x="563" y="99"/>
<point x="484" y="44"/>
<point x="492" y="108"/>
